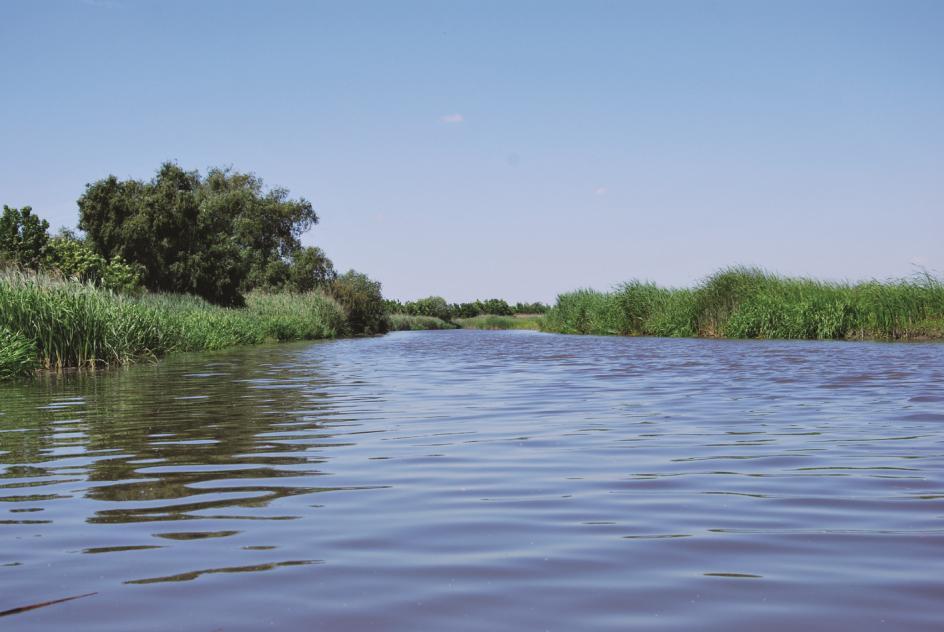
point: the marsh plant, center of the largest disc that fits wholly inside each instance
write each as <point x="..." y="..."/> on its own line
<point x="742" y="302"/>
<point x="57" y="323"/>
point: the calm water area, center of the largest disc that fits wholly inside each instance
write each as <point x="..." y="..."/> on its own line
<point x="469" y="480"/>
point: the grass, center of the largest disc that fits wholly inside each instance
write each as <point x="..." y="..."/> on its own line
<point x="744" y="302"/>
<point x="17" y="354"/>
<point x="59" y="324"/>
<point x="408" y="322"/>
<point x="491" y="321"/>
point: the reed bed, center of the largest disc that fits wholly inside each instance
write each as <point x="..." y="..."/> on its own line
<point x="752" y="303"/>
<point x="409" y="322"/>
<point x="492" y="321"/>
<point x="62" y="324"/>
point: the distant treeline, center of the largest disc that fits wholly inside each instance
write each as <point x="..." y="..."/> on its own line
<point x="743" y="302"/>
<point x="438" y="307"/>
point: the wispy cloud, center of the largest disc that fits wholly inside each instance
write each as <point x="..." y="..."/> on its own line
<point x="600" y="191"/>
<point x="452" y="118"/>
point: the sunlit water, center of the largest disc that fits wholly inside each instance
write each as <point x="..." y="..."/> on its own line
<point x="481" y="481"/>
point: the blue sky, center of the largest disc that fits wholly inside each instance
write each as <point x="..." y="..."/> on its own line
<point x="513" y="149"/>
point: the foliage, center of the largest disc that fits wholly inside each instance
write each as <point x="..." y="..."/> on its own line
<point x="495" y="306"/>
<point x="751" y="303"/>
<point x="408" y="322"/>
<point x="362" y="301"/>
<point x="17" y="354"/>
<point x="75" y="259"/>
<point x="23" y="237"/>
<point x="437" y="307"/>
<point x="530" y="308"/>
<point x="72" y="324"/>
<point x="213" y="236"/>
<point x="310" y="268"/>
<point x="492" y="321"/>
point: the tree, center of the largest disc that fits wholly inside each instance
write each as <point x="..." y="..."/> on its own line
<point x="363" y="302"/>
<point x="215" y="237"/>
<point x="434" y="306"/>
<point x="23" y="237"/>
<point x="310" y="268"/>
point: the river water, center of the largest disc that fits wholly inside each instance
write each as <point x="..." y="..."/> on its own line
<point x="468" y="480"/>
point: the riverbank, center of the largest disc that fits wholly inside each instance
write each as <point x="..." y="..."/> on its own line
<point x="46" y="323"/>
<point x="409" y="322"/>
<point x="492" y="322"/>
<point x="751" y="303"/>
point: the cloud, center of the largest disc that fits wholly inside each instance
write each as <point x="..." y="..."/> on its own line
<point x="452" y="118"/>
<point x="600" y="191"/>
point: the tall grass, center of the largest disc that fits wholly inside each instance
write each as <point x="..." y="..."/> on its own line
<point x="752" y="303"/>
<point x="409" y="322"/>
<point x="68" y="324"/>
<point x="493" y="321"/>
<point x="17" y="354"/>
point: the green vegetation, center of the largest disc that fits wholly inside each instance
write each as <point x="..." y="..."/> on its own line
<point x="751" y="303"/>
<point x="434" y="312"/>
<point x="17" y="354"/>
<point x="362" y="301"/>
<point x="56" y="324"/>
<point x="23" y="237"/>
<point x="437" y="307"/>
<point x="216" y="236"/>
<point x="408" y="322"/>
<point x="494" y="321"/>
<point x="183" y="262"/>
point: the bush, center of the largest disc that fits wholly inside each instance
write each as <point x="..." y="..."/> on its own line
<point x="362" y="302"/>
<point x="75" y="259"/>
<point x="433" y="306"/>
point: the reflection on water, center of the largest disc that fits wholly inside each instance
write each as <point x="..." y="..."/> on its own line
<point x="481" y="480"/>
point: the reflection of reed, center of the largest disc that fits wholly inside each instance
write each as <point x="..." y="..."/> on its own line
<point x="213" y="436"/>
<point x="186" y="577"/>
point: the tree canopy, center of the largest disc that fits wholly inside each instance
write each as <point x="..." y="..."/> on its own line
<point x="215" y="236"/>
<point x="23" y="237"/>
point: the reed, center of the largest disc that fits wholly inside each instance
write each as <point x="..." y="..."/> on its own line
<point x="70" y="324"/>
<point x="744" y="302"/>
<point x="409" y="322"/>
<point x="17" y="354"/>
<point x="492" y="321"/>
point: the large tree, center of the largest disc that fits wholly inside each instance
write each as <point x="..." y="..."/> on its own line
<point x="214" y="236"/>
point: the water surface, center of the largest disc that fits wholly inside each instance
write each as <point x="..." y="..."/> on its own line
<point x="471" y="480"/>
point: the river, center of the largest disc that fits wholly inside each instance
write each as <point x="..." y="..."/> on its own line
<point x="469" y="480"/>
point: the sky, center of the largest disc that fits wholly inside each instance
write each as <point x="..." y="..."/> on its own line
<point x="507" y="148"/>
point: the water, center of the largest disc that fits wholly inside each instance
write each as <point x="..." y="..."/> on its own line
<point x="481" y="481"/>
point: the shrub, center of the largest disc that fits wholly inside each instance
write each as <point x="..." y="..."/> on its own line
<point x="75" y="259"/>
<point x="362" y="302"/>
